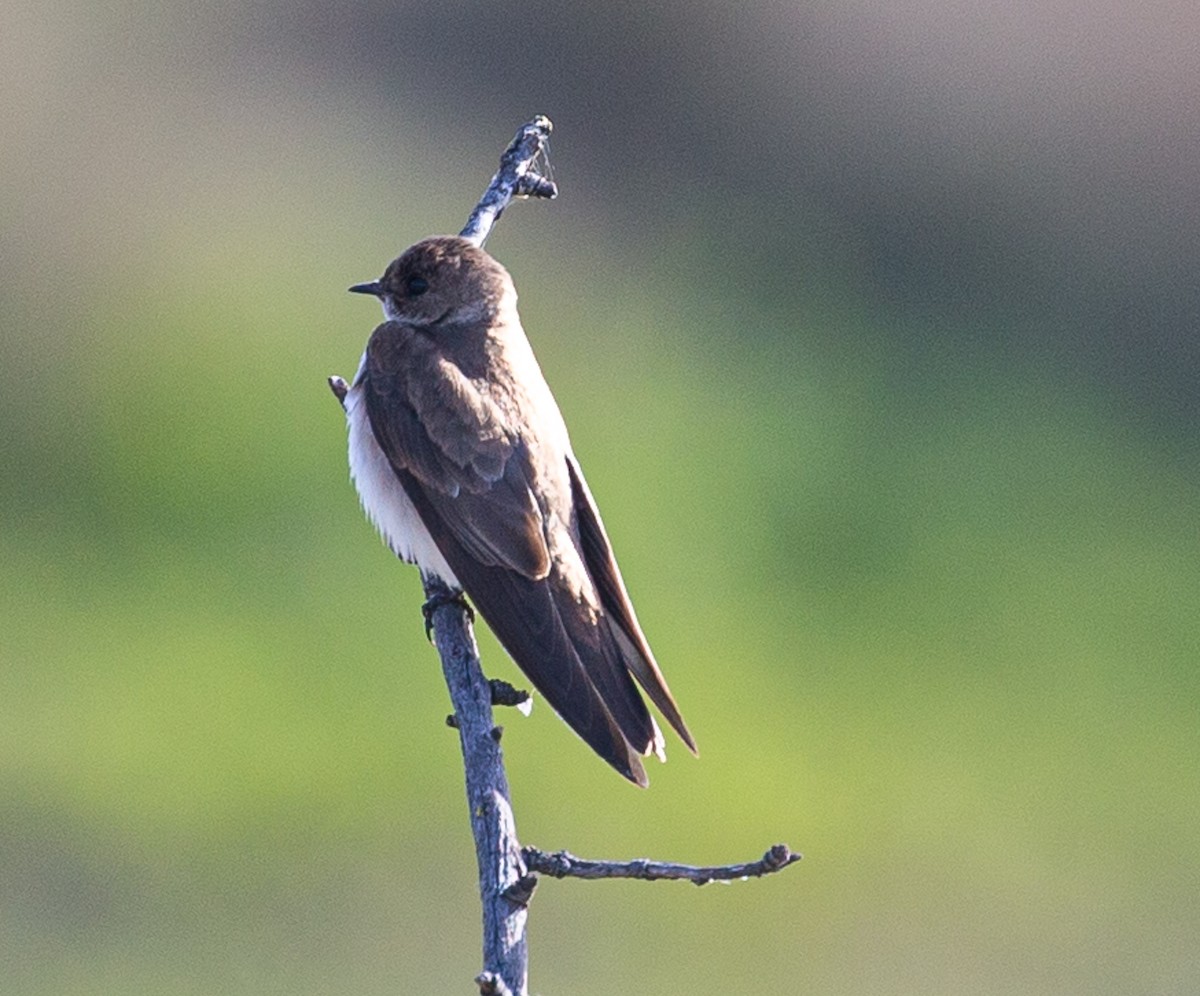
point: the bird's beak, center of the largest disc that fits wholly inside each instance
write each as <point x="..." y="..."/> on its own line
<point x="370" y="288"/>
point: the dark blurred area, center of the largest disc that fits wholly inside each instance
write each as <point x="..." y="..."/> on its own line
<point x="1034" y="163"/>
<point x="875" y="328"/>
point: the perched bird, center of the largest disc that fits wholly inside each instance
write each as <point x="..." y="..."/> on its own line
<point x="463" y="463"/>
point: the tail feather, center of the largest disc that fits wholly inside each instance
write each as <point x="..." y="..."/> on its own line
<point x="600" y="654"/>
<point x="606" y="576"/>
<point x="525" y="619"/>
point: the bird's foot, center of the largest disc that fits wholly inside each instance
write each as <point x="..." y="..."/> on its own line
<point x="436" y="598"/>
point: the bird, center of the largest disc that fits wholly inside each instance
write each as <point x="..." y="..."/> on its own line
<point x="463" y="463"/>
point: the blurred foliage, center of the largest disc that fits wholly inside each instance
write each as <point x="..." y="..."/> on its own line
<point x="896" y="443"/>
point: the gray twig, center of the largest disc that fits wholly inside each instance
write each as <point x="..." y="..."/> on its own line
<point x="562" y="864"/>
<point x="517" y="176"/>
<point x="497" y="849"/>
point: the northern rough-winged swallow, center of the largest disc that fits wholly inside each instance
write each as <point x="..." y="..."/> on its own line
<point x="462" y="461"/>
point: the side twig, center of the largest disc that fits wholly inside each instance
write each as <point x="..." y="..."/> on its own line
<point x="563" y="864"/>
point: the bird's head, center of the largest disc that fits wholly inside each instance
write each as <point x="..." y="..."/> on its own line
<point x="441" y="280"/>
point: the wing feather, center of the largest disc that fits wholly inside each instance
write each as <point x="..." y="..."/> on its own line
<point x="433" y="422"/>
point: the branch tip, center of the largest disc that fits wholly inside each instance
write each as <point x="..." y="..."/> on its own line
<point x="339" y="388"/>
<point x="519" y="175"/>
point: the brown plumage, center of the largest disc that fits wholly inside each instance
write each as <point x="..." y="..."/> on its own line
<point x="462" y="459"/>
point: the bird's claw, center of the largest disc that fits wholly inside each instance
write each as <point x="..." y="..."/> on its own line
<point x="436" y="600"/>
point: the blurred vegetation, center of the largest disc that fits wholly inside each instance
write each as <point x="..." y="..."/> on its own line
<point x="888" y="397"/>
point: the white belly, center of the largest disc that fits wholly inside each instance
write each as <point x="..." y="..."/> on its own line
<point x="383" y="497"/>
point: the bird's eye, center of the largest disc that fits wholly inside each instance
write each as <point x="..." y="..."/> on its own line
<point x="416" y="285"/>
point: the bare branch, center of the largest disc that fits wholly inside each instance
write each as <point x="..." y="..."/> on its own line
<point x="497" y="849"/>
<point x="563" y="864"/>
<point x="517" y="177"/>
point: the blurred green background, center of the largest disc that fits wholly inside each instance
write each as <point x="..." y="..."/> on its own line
<point x="877" y="332"/>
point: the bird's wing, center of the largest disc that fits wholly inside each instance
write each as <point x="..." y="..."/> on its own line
<point x="560" y="653"/>
<point x="431" y="421"/>
<point x="606" y="576"/>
